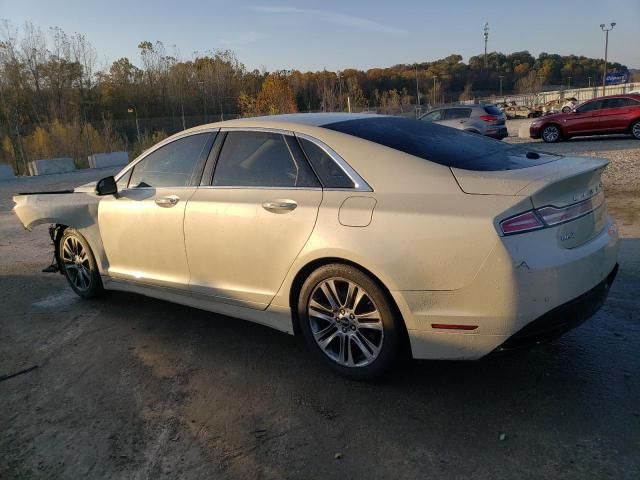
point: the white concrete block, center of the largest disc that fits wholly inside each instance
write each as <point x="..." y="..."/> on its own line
<point x="523" y="131"/>
<point x="104" y="160"/>
<point x="51" y="165"/>
<point x="6" y="172"/>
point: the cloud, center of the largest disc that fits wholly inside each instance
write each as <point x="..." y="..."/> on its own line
<point x="331" y="17"/>
<point x="241" y="39"/>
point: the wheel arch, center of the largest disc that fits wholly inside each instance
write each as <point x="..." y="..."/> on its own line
<point x="307" y="269"/>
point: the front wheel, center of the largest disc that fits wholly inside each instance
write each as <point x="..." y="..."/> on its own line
<point x="566" y="109"/>
<point x="635" y="130"/>
<point x="348" y="322"/>
<point x="551" y="133"/>
<point x="79" y="265"/>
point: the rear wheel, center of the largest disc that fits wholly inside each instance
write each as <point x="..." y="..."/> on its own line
<point x="566" y="109"/>
<point x="79" y="265"/>
<point x="551" y="133"/>
<point x="348" y="322"/>
<point x="635" y="130"/>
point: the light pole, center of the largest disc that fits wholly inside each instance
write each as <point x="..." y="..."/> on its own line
<point x="485" y="34"/>
<point x="435" y="77"/>
<point x="606" y="51"/>
<point x="501" y="77"/>
<point x="134" y="110"/>
<point x="589" y="82"/>
<point x="569" y="83"/>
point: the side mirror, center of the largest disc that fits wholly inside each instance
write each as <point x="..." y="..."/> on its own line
<point x="107" y="186"/>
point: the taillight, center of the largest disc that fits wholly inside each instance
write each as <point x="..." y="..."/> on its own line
<point x="554" y="216"/>
<point x="488" y="118"/>
<point x="550" y="216"/>
<point x="523" y="222"/>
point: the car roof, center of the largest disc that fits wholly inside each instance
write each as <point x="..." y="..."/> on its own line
<point x="619" y="95"/>
<point x="287" y="121"/>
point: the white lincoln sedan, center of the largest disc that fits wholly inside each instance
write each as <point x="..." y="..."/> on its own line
<point x="366" y="234"/>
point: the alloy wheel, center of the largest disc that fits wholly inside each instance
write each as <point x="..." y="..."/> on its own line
<point x="551" y="134"/>
<point x="345" y="322"/>
<point x="76" y="263"/>
<point x="636" y="130"/>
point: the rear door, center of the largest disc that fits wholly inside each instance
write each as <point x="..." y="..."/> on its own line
<point x="583" y="119"/>
<point x="456" y="117"/>
<point x="142" y="226"/>
<point x="246" y="227"/>
<point x="615" y="116"/>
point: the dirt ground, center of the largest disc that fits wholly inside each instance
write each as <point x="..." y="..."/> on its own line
<point x="131" y="387"/>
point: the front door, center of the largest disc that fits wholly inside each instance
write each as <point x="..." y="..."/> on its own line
<point x="142" y="226"/>
<point x="583" y="119"/>
<point x="244" y="231"/>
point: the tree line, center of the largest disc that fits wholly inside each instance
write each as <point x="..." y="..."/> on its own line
<point x="56" y="101"/>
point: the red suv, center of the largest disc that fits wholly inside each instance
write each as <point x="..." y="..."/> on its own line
<point x="600" y="116"/>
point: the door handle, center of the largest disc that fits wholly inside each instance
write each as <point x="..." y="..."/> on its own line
<point x="167" y="202"/>
<point x="279" y="206"/>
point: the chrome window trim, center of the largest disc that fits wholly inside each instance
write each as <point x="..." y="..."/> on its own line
<point x="249" y="187"/>
<point x="159" y="145"/>
<point x="360" y="185"/>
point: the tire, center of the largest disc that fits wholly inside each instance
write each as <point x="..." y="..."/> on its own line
<point x="79" y="265"/>
<point x="352" y="328"/>
<point x="635" y="130"/>
<point x="566" y="109"/>
<point x="551" y="133"/>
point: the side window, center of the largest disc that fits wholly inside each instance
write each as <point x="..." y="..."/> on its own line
<point x="261" y="159"/>
<point x="458" y="113"/>
<point x="433" y="116"/>
<point x="588" y="107"/>
<point x="330" y="173"/>
<point x="174" y="165"/>
<point x="620" y="103"/>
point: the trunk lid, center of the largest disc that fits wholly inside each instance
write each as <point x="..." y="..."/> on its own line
<point x="562" y="182"/>
<point x="566" y="194"/>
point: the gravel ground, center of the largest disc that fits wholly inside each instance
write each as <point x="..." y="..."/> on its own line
<point x="132" y="387"/>
<point x="623" y="152"/>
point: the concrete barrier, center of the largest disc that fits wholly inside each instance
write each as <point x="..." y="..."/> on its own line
<point x="6" y="172"/>
<point x="523" y="131"/>
<point x="51" y="165"/>
<point x="104" y="160"/>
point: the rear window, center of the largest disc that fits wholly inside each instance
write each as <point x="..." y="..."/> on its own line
<point x="492" y="110"/>
<point x="440" y="144"/>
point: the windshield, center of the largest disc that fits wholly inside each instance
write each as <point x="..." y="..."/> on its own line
<point x="443" y="145"/>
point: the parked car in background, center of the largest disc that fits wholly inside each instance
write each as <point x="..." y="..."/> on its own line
<point x="520" y="111"/>
<point x="366" y="234"/>
<point x="569" y="105"/>
<point x="600" y="116"/>
<point x="483" y="119"/>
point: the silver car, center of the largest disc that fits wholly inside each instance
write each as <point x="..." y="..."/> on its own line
<point x="483" y="119"/>
<point x="365" y="234"/>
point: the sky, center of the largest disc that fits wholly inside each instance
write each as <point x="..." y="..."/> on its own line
<point x="312" y="35"/>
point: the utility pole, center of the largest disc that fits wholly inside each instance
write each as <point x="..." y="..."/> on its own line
<point x="204" y="100"/>
<point x="569" y="83"/>
<point x="135" y="111"/>
<point x="589" y="82"/>
<point x="501" y="77"/>
<point x="417" y="93"/>
<point x="485" y="34"/>
<point x="606" y="51"/>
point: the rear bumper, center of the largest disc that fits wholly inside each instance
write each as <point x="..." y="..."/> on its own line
<point x="562" y="319"/>
<point x="524" y="281"/>
<point x="498" y="132"/>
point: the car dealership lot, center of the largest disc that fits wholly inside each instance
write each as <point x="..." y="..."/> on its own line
<point x="134" y="387"/>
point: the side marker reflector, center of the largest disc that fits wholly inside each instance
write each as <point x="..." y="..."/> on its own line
<point x="448" y="326"/>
